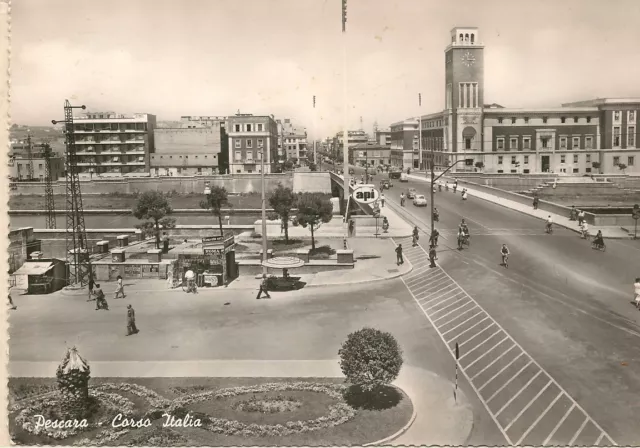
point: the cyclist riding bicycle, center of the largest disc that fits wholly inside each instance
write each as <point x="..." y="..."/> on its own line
<point x="436" y="214"/>
<point x="584" y="229"/>
<point x="504" y="251"/>
<point x="599" y="240"/>
<point x="463" y="228"/>
<point x="549" y="224"/>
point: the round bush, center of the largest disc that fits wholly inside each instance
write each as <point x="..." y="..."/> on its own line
<point x="370" y="358"/>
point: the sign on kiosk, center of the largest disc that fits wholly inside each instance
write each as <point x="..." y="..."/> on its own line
<point x="365" y="194"/>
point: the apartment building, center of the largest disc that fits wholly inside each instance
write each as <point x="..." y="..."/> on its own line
<point x="110" y="144"/>
<point x="249" y="137"/>
<point x="374" y="155"/>
<point x="18" y="166"/>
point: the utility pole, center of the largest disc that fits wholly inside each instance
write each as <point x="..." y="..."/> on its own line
<point x="50" y="205"/>
<point x="264" y="211"/>
<point x="29" y="159"/>
<point x="345" y="146"/>
<point x="431" y="162"/>
<point x="420" y="131"/>
<point x="315" y="156"/>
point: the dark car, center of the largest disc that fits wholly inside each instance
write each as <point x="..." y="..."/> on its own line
<point x="386" y="184"/>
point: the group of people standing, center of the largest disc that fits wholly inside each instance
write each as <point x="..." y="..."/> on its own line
<point x="96" y="293"/>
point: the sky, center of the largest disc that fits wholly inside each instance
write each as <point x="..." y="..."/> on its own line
<point x="217" y="57"/>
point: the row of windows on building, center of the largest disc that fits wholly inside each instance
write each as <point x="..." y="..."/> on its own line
<point x="97" y="127"/>
<point x="631" y="117"/>
<point x="514" y="143"/>
<point x="563" y="159"/>
<point x="117" y="139"/>
<point x="248" y="127"/>
<point x="631" y="136"/>
<point x="180" y="157"/>
<point x="248" y="155"/>
<point x="248" y="143"/>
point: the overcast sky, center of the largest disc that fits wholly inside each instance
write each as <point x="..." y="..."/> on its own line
<point x="215" y="57"/>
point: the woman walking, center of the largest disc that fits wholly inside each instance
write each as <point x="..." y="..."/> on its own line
<point x="120" y="288"/>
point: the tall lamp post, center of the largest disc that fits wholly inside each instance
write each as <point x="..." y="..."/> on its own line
<point x="420" y="132"/>
<point x="264" y="212"/>
<point x="345" y="131"/>
<point x="636" y="216"/>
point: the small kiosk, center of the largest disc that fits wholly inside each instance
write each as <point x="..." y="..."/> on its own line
<point x="41" y="276"/>
<point x="214" y="264"/>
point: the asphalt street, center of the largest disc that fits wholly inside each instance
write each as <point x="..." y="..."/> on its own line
<point x="552" y="340"/>
<point x="217" y="325"/>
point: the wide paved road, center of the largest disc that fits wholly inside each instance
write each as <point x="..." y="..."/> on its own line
<point x="551" y="344"/>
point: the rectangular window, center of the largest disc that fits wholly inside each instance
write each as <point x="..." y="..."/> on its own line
<point x="513" y="160"/>
<point x="513" y="120"/>
<point x="631" y="160"/>
<point x="545" y="142"/>
<point x="526" y="120"/>
<point x="513" y="143"/>
<point x="631" y="117"/>
<point x="563" y="158"/>
<point x="544" y="120"/>
<point x="500" y="142"/>
<point x="499" y="160"/>
<point x="576" y="170"/>
<point x="238" y="155"/>
<point x="588" y="170"/>
<point x="249" y="155"/>
<point x="588" y="158"/>
<point x="260" y="143"/>
<point x="563" y="119"/>
<point x="575" y="158"/>
<point x="237" y="143"/>
<point x="588" y="142"/>
<point x="500" y="171"/>
<point x="199" y="170"/>
<point x="40" y="166"/>
<point x="525" y="171"/>
<point x="500" y="120"/>
<point x="616" y="161"/>
<point x="631" y="136"/>
<point x="616" y="136"/>
<point x="616" y="116"/>
<point x="248" y="127"/>
<point x="575" y="119"/>
<point x="260" y="127"/>
<point x="588" y="119"/>
<point x="237" y="128"/>
<point x="249" y="143"/>
<point x="575" y="143"/>
<point x="563" y="142"/>
<point x="526" y="142"/>
<point x="526" y="160"/>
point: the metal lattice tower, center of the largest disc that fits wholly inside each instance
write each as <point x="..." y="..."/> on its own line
<point x="29" y="158"/>
<point x="75" y="235"/>
<point x="50" y="204"/>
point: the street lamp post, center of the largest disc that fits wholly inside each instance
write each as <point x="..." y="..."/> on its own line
<point x="264" y="212"/>
<point x="345" y="131"/>
<point x="420" y="162"/>
<point x="636" y="216"/>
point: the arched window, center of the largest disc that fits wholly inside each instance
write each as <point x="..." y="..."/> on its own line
<point x="461" y="37"/>
<point x="466" y="38"/>
<point x="473" y="36"/>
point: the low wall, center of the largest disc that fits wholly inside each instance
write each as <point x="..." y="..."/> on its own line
<point x="238" y="183"/>
<point x="311" y="182"/>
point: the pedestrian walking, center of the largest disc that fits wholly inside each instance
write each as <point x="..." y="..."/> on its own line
<point x="131" y="321"/>
<point x="263" y="288"/>
<point x="165" y="243"/>
<point x="433" y="239"/>
<point x="382" y="200"/>
<point x="119" y="288"/>
<point x="535" y="203"/>
<point x="101" y="302"/>
<point x="580" y="217"/>
<point x="352" y="227"/>
<point x="91" y="285"/>
<point x="636" y="287"/>
<point x="432" y="256"/>
<point x="11" y="305"/>
<point x="399" y="258"/>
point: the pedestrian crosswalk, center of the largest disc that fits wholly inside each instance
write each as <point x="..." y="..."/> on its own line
<point x="526" y="403"/>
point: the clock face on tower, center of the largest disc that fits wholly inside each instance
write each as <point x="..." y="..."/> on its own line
<point x="468" y="59"/>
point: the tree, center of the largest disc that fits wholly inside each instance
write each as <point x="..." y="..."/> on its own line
<point x="73" y="376"/>
<point x="282" y="200"/>
<point x="154" y="207"/>
<point x="596" y="165"/>
<point x="288" y="165"/>
<point x="216" y="200"/>
<point x="313" y="167"/>
<point x="370" y="358"/>
<point x="622" y="167"/>
<point x="480" y="165"/>
<point x="313" y="210"/>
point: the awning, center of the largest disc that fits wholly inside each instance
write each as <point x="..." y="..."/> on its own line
<point x="283" y="263"/>
<point x="35" y="268"/>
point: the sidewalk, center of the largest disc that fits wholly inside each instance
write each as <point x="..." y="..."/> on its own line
<point x="437" y="419"/>
<point x="608" y="232"/>
<point x="375" y="261"/>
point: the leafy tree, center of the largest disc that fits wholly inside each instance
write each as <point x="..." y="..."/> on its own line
<point x="596" y="165"/>
<point x="154" y="207"/>
<point x="313" y="210"/>
<point x="313" y="167"/>
<point x="370" y="358"/>
<point x="622" y="167"/>
<point x="216" y="200"/>
<point x="288" y="165"/>
<point x="282" y="200"/>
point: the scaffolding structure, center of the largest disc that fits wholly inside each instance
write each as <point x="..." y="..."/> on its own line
<point x="29" y="159"/>
<point x="75" y="234"/>
<point x="50" y="205"/>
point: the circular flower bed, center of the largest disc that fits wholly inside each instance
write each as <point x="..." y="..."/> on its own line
<point x="269" y="405"/>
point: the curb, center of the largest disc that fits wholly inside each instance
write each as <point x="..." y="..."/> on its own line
<point x="360" y="282"/>
<point x="531" y="215"/>
<point x="401" y="431"/>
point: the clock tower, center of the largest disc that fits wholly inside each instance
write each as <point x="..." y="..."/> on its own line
<point x="464" y="87"/>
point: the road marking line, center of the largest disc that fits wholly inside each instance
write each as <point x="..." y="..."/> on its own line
<point x="451" y="304"/>
<point x="479" y="344"/>
<point x="599" y="439"/>
<point x="454" y="319"/>
<point x="435" y="284"/>
<point x="470" y="328"/>
<point x="575" y="436"/>
<point x="430" y="294"/>
<point x="529" y="405"/>
<point x="414" y="277"/>
<point x="477" y="334"/>
<point x="492" y="363"/>
<point x="501" y="370"/>
<point x="540" y="417"/>
<point x="511" y="400"/>
<point x="423" y="279"/>
<point x="439" y="297"/>
<point x="508" y="382"/>
<point x="487" y="352"/>
<point x="454" y="310"/>
<point x="448" y="331"/>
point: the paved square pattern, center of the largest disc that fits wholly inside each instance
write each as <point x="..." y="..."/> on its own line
<point x="526" y="403"/>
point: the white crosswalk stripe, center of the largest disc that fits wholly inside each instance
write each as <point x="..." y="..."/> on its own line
<point x="525" y="402"/>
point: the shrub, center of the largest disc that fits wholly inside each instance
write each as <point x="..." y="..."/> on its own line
<point x="370" y="358"/>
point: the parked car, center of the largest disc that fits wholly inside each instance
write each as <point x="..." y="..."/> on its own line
<point x="404" y="178"/>
<point x="412" y="193"/>
<point x="420" y="201"/>
<point x="386" y="184"/>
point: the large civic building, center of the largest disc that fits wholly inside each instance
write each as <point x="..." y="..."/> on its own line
<point x="583" y="137"/>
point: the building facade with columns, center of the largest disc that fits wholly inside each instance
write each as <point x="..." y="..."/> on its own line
<point x="583" y="137"/>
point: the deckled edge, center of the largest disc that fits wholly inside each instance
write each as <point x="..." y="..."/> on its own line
<point x="5" y="122"/>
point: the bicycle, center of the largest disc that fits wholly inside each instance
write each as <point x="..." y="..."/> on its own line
<point x="599" y="246"/>
<point x="189" y="286"/>
<point x="549" y="229"/>
<point x="505" y="259"/>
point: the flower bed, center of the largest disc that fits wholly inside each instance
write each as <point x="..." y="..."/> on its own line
<point x="231" y="412"/>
